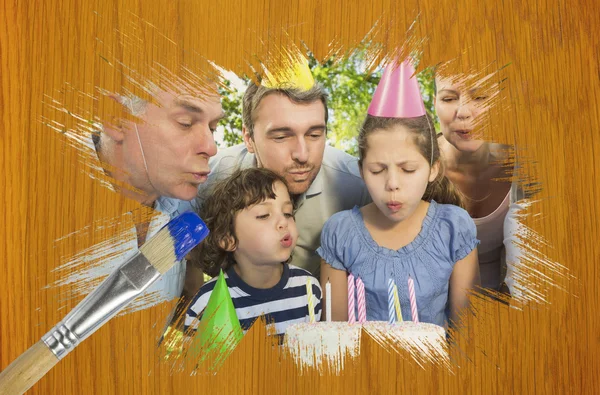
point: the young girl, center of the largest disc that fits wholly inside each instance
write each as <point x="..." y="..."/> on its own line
<point x="414" y="227"/>
<point x="252" y="235"/>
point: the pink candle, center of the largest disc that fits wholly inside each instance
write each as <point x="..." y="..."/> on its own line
<point x="413" y="300"/>
<point x="362" y="306"/>
<point x="351" y="316"/>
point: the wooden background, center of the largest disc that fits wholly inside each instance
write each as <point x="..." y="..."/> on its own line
<point x="63" y="50"/>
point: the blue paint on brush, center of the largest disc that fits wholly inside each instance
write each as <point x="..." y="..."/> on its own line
<point x="187" y="231"/>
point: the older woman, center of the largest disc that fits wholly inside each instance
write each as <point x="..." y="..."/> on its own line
<point x="477" y="169"/>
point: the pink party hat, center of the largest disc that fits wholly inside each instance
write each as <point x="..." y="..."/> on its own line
<point x="398" y="94"/>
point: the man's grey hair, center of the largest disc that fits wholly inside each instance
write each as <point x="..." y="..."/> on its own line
<point x="135" y="105"/>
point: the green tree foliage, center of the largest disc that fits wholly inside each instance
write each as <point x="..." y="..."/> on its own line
<point x="232" y="106"/>
<point x="426" y="83"/>
<point x="350" y="90"/>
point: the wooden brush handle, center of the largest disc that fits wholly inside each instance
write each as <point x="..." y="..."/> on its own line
<point x="27" y="369"/>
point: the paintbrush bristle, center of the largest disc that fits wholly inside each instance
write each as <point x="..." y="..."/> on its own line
<point x="174" y="241"/>
<point x="160" y="251"/>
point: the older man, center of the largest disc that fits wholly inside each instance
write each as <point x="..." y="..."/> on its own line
<point x="285" y="131"/>
<point x="164" y="157"/>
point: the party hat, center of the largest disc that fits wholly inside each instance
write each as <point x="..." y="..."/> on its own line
<point x="398" y="94"/>
<point x="295" y="74"/>
<point x="219" y="330"/>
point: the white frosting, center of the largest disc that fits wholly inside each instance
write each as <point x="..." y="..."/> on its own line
<point x="312" y="344"/>
<point x="329" y="343"/>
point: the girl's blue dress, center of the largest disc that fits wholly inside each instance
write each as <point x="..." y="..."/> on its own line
<point x="448" y="234"/>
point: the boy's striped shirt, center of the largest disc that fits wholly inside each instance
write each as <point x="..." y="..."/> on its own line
<point x="282" y="305"/>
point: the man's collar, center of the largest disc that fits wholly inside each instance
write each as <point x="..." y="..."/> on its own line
<point x="249" y="161"/>
<point x="165" y="205"/>
<point x="173" y="207"/>
<point x="314" y="189"/>
<point x="317" y="185"/>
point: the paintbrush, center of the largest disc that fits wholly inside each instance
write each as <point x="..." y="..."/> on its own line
<point x="121" y="287"/>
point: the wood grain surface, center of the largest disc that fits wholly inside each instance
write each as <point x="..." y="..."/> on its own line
<point x="55" y="55"/>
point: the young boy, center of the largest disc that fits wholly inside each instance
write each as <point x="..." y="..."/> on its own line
<point x="252" y="235"/>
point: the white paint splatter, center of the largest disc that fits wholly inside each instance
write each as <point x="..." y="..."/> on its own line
<point x="328" y="345"/>
<point x="530" y="274"/>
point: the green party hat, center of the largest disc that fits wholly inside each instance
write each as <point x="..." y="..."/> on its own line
<point x="219" y="330"/>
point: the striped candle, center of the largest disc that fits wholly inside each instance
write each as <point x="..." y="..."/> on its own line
<point x="328" y="301"/>
<point x="413" y="300"/>
<point x="391" y="312"/>
<point x="362" y="306"/>
<point x="309" y="295"/>
<point x="397" y="304"/>
<point x="351" y="316"/>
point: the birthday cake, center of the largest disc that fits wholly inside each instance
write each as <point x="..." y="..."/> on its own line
<point x="314" y="344"/>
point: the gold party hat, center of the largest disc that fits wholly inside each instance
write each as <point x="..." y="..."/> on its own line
<point x="295" y="74"/>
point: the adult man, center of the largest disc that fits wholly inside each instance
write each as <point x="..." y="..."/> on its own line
<point x="285" y="131"/>
<point x="164" y="158"/>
